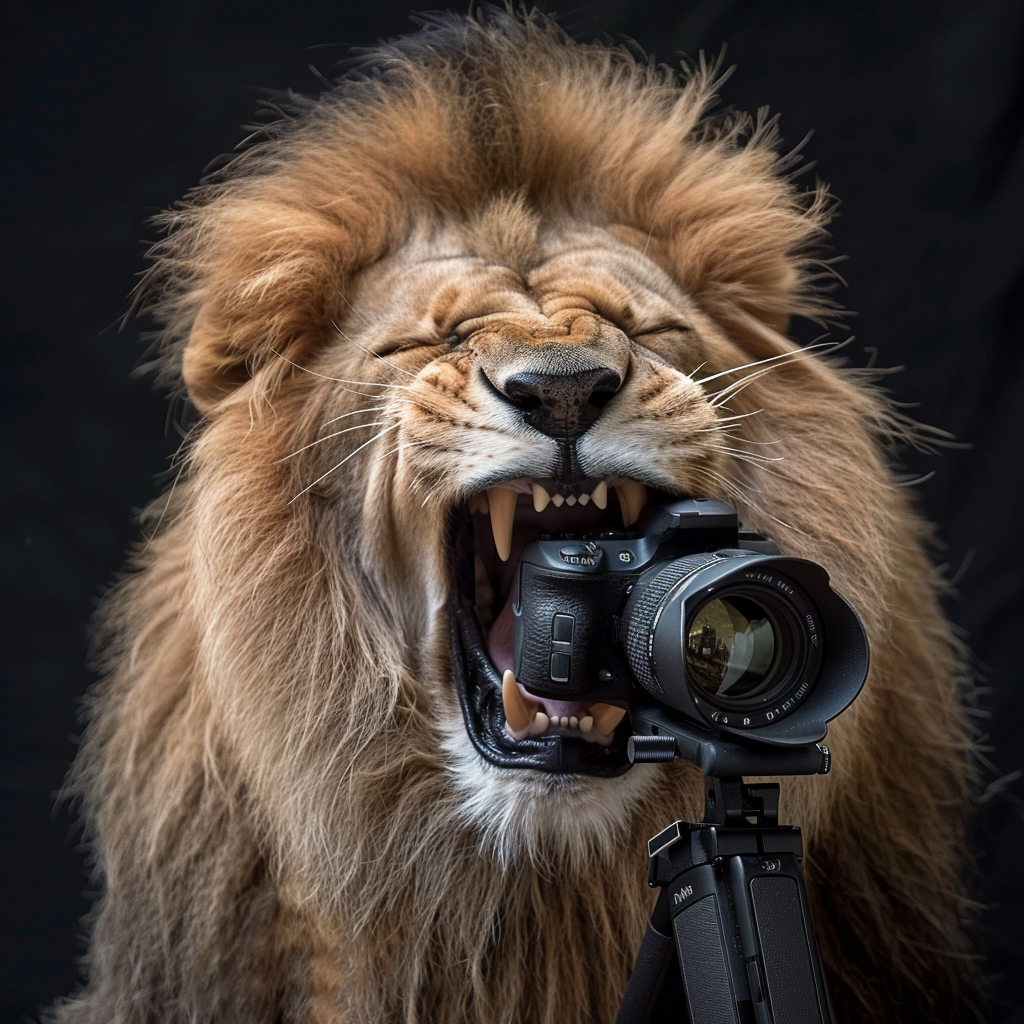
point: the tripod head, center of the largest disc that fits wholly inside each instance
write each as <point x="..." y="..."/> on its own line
<point x="658" y="735"/>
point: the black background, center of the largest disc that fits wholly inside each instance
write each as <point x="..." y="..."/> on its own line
<point x="111" y="111"/>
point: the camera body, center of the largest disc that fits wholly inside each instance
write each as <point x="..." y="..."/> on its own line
<point x="713" y="623"/>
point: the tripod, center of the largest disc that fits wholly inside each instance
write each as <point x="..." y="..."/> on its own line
<point x="731" y="937"/>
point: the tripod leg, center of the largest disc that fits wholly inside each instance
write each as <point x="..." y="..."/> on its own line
<point x="654" y="994"/>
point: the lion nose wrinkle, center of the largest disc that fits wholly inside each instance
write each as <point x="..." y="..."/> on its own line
<point x="563" y="406"/>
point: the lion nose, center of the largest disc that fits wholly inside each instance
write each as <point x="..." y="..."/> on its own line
<point x="562" y="405"/>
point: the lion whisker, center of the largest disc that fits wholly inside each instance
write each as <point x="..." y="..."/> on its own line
<point x="731" y="490"/>
<point x="407" y="444"/>
<point x="721" y="421"/>
<point x="725" y="433"/>
<point x="341" y="380"/>
<point x="719" y="398"/>
<point x="324" y="476"/>
<point x="356" y="412"/>
<point x="344" y="298"/>
<point x="327" y="437"/>
<point x="753" y="457"/>
<point x="738" y="385"/>
<point x="650" y="235"/>
<point x="780" y="357"/>
<point x="369" y="351"/>
<point x="749" y="440"/>
<point x="167" y="502"/>
<point x="726" y="487"/>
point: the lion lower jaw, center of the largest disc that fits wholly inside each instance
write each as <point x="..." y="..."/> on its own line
<point x="523" y="814"/>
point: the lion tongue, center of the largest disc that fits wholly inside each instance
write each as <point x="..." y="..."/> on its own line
<point x="499" y="638"/>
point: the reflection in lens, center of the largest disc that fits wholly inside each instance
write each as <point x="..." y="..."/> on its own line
<point x="730" y="649"/>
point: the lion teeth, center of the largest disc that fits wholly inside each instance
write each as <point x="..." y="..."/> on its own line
<point x="519" y="712"/>
<point x="632" y="498"/>
<point x="541" y="498"/>
<point x="524" y="717"/>
<point x="502" y="504"/>
<point x="540" y="724"/>
<point x="606" y="717"/>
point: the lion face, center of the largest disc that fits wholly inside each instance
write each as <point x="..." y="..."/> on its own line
<point x="487" y="397"/>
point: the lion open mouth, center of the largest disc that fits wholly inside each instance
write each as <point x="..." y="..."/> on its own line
<point x="508" y="724"/>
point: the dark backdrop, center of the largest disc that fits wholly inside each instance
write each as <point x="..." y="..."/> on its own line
<point x="112" y="110"/>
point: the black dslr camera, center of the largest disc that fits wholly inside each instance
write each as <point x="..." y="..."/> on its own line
<point x="713" y="624"/>
<point x="731" y="656"/>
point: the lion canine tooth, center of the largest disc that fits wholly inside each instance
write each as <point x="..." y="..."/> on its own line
<point x="540" y="724"/>
<point x="606" y="717"/>
<point x="519" y="712"/>
<point x="557" y="500"/>
<point x="502" y="504"/>
<point x="586" y="723"/>
<point x="541" y="498"/>
<point x="600" y="495"/>
<point x="632" y="498"/>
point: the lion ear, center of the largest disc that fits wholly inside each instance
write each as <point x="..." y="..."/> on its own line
<point x="211" y="366"/>
<point x="267" y="280"/>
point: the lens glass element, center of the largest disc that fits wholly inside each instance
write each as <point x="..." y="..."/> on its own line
<point x="732" y="650"/>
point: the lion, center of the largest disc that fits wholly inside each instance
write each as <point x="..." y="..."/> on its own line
<point x="493" y="280"/>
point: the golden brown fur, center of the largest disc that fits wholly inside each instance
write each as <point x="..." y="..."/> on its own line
<point x="288" y="820"/>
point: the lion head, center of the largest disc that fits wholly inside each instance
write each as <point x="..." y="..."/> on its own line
<point x="494" y="284"/>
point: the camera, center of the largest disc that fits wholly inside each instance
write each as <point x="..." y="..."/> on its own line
<point x="711" y="622"/>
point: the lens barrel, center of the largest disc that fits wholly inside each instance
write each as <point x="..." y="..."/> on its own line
<point x="741" y="639"/>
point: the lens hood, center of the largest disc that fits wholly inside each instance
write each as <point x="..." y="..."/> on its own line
<point x="818" y="643"/>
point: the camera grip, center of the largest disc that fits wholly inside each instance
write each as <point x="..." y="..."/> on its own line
<point x="564" y="635"/>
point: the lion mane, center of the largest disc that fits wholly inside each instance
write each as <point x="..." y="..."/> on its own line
<point x="287" y="817"/>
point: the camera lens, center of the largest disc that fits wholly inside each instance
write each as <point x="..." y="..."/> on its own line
<point x="727" y="635"/>
<point x="732" y="650"/>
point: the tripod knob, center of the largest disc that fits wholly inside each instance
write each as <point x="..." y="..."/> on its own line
<point x="643" y="749"/>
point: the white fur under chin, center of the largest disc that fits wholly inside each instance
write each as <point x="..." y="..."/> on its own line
<point x="571" y="820"/>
